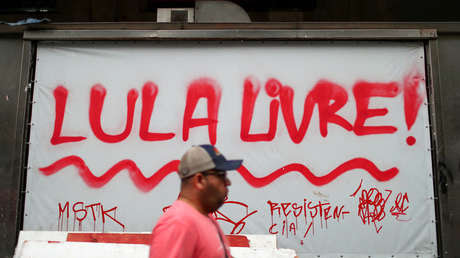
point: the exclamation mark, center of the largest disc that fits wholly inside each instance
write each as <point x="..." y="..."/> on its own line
<point x="413" y="99"/>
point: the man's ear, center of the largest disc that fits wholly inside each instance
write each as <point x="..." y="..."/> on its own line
<point x="199" y="181"/>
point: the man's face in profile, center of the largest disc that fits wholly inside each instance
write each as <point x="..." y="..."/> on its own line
<point x="216" y="190"/>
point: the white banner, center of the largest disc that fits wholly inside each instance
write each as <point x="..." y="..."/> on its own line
<point x="334" y="136"/>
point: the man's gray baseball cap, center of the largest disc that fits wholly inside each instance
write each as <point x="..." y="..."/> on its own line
<point x="204" y="157"/>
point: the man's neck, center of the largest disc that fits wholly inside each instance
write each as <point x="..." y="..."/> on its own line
<point x="193" y="203"/>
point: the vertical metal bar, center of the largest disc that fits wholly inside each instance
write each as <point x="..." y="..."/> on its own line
<point x="437" y="153"/>
<point x="24" y="109"/>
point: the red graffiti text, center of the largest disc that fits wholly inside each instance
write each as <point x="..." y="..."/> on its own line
<point x="238" y="222"/>
<point x="372" y="206"/>
<point x="291" y="218"/>
<point x="82" y="213"/>
<point x="329" y="97"/>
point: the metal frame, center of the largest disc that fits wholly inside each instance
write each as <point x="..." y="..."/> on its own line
<point x="428" y="36"/>
<point x="24" y="107"/>
<point x="232" y="34"/>
<point x="434" y="108"/>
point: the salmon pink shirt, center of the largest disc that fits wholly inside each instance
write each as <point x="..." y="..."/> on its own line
<point x="182" y="231"/>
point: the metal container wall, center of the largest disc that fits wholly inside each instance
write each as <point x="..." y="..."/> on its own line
<point x="12" y="124"/>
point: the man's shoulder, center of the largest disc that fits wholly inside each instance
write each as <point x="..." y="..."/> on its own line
<point x="178" y="214"/>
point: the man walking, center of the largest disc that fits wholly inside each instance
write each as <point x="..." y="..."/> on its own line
<point x="187" y="229"/>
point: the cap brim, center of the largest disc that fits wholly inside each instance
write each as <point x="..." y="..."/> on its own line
<point x="229" y="165"/>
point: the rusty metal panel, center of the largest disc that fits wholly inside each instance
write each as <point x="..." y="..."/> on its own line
<point x="12" y="107"/>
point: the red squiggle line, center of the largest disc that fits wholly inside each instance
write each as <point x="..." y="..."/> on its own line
<point x="146" y="184"/>
<point x="356" y="163"/>
<point x="143" y="183"/>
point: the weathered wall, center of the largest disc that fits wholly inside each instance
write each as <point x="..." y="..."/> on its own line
<point x="450" y="104"/>
<point x="11" y="125"/>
